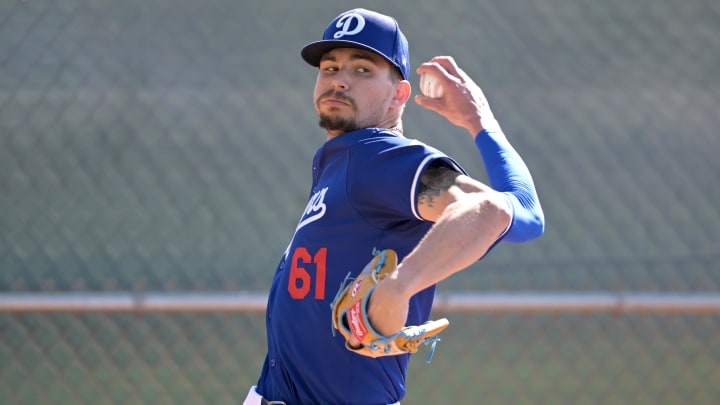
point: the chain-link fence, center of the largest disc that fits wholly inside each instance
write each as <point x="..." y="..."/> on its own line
<point x="163" y="145"/>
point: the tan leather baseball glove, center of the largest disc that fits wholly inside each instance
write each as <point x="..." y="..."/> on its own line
<point x="349" y="315"/>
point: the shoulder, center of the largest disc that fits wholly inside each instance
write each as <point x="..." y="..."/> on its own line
<point x="389" y="144"/>
<point x="379" y="138"/>
<point x="433" y="190"/>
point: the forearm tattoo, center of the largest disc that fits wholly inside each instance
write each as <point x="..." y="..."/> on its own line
<point x="436" y="179"/>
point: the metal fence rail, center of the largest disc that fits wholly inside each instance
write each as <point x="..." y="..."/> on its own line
<point x="630" y="302"/>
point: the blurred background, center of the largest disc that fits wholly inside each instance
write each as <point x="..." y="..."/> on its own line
<point x="165" y="146"/>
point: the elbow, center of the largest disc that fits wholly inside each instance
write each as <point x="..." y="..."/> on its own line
<point x="524" y="232"/>
<point x="537" y="226"/>
<point x="527" y="223"/>
<point x="534" y="221"/>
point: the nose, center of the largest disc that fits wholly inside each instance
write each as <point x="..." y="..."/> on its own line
<point x="339" y="85"/>
<point x="340" y="81"/>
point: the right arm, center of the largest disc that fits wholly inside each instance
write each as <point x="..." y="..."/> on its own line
<point x="469" y="217"/>
<point x="465" y="105"/>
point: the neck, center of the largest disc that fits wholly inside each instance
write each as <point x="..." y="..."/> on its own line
<point x="335" y="134"/>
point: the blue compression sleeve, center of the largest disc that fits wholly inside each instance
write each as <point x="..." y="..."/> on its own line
<point x="508" y="174"/>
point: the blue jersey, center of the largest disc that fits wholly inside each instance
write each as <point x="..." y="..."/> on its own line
<point x="364" y="196"/>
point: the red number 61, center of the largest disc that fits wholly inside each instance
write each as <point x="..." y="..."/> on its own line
<point x="300" y="279"/>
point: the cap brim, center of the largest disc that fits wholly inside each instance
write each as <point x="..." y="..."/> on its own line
<point x="313" y="52"/>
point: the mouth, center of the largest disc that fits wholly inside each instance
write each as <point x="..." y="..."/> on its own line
<point x="331" y="101"/>
<point x="334" y="99"/>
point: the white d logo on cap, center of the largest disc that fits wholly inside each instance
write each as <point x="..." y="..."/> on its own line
<point x="345" y="22"/>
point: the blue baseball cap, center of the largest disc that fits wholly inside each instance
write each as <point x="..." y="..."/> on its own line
<point x="364" y="29"/>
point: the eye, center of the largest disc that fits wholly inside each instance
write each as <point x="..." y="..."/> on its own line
<point x="328" y="66"/>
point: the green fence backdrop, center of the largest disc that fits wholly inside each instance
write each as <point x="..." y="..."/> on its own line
<point x="165" y="146"/>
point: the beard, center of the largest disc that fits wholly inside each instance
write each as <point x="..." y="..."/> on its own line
<point x="337" y="123"/>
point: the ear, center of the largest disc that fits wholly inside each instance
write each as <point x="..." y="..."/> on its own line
<point x="402" y="93"/>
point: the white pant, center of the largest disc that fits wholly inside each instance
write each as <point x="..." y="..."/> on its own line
<point x="253" y="398"/>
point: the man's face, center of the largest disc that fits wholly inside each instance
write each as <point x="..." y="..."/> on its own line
<point x="354" y="89"/>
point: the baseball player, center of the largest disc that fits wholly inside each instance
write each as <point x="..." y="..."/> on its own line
<point x="380" y="200"/>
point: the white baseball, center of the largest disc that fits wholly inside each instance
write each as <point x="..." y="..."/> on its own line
<point x="430" y="86"/>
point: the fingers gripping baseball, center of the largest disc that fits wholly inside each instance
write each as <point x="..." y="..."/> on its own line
<point x="462" y="102"/>
<point x="430" y="86"/>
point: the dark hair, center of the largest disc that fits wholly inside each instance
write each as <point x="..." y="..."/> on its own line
<point x="395" y="74"/>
